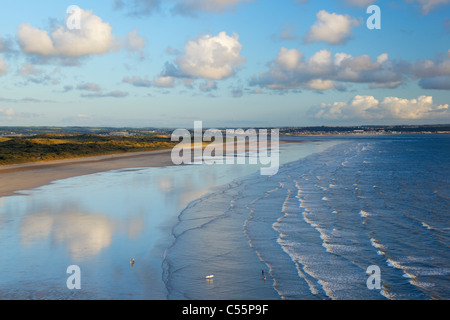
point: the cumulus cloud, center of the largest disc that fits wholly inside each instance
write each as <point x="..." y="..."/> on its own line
<point x="320" y="84"/>
<point x="430" y="68"/>
<point x="93" y="38"/>
<point x="211" y="57"/>
<point x="433" y="74"/>
<point x="134" y="43"/>
<point x="332" y="28"/>
<point x="205" y="57"/>
<point x="289" y="59"/>
<point x="323" y="71"/>
<point x="369" y="108"/>
<point x="438" y="82"/>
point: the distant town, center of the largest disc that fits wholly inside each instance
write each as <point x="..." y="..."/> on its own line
<point x="287" y="131"/>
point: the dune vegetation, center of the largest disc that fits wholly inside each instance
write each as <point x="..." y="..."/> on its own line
<point x="14" y="150"/>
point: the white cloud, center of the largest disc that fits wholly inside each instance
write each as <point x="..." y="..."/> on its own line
<point x="332" y="28"/>
<point x="322" y="70"/>
<point x="320" y="84"/>
<point x="289" y="59"/>
<point x="94" y="37"/>
<point x="135" y="43"/>
<point x="369" y="108"/>
<point x="164" y="82"/>
<point x="3" y="67"/>
<point x="431" y="68"/>
<point x="291" y="70"/>
<point x="211" y="57"/>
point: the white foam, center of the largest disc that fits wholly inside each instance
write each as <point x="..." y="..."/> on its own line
<point x="364" y="214"/>
<point x="376" y="244"/>
<point x="426" y="225"/>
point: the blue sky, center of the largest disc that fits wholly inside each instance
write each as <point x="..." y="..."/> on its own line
<point x="229" y="63"/>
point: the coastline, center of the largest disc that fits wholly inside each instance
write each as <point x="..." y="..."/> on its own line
<point x="27" y="176"/>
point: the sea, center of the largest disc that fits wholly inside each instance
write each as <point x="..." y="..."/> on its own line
<point x="339" y="208"/>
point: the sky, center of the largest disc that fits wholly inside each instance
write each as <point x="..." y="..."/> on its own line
<point x="228" y="63"/>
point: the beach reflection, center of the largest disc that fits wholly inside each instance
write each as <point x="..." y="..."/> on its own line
<point x="82" y="234"/>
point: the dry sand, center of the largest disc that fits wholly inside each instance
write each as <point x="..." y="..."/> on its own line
<point x="32" y="175"/>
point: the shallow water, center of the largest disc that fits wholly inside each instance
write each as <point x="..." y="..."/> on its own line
<point x="100" y="221"/>
<point x="317" y="226"/>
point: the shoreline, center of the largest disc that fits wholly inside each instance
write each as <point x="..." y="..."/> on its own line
<point x="31" y="175"/>
<point x="27" y="176"/>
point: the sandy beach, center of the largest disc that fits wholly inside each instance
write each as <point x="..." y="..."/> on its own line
<point x="19" y="177"/>
<point x="32" y="175"/>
